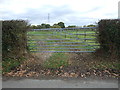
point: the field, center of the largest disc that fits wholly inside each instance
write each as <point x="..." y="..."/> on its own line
<point x="62" y="40"/>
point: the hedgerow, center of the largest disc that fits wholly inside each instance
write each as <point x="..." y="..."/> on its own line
<point x="109" y="36"/>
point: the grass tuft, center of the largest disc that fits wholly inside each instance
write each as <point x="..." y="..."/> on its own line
<point x="56" y="61"/>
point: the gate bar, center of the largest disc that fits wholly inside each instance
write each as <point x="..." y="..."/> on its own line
<point x="64" y="28"/>
<point x="63" y="48"/>
<point x="60" y="45"/>
<point x="62" y="39"/>
<point x="62" y="51"/>
<point x="61" y="34"/>
<point x="55" y="42"/>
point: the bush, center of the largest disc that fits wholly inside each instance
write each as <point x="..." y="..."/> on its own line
<point x="109" y="36"/>
<point x="14" y="38"/>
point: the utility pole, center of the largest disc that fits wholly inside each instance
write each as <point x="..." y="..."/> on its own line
<point x="119" y="10"/>
<point x="48" y="18"/>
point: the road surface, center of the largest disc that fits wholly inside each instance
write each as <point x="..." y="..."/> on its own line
<point x="61" y="83"/>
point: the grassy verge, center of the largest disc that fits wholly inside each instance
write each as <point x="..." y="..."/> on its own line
<point x="56" y="61"/>
<point x="10" y="64"/>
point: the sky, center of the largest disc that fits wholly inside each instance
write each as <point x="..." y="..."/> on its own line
<point x="71" y="12"/>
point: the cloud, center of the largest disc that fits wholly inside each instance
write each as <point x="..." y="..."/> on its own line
<point x="74" y="12"/>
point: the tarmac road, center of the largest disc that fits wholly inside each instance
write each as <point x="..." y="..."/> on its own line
<point x="61" y="83"/>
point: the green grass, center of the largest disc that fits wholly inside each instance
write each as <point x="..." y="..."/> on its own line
<point x="56" y="61"/>
<point x="9" y="64"/>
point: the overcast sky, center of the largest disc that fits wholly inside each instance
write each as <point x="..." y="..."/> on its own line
<point x="71" y="12"/>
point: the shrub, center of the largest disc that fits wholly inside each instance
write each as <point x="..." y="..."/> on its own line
<point x="14" y="38"/>
<point x="109" y="36"/>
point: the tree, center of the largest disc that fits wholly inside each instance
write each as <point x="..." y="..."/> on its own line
<point x="55" y="26"/>
<point x="38" y="26"/>
<point x="33" y="27"/>
<point x="43" y="25"/>
<point x="91" y="25"/>
<point x="72" y="26"/>
<point x="84" y="26"/>
<point x="47" y="25"/>
<point x="61" y="24"/>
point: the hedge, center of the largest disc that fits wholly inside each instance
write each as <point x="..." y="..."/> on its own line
<point x="109" y="35"/>
<point x="14" y="38"/>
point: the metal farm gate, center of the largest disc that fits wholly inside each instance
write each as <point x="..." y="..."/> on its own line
<point x="63" y="40"/>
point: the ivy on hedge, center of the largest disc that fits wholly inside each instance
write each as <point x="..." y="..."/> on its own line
<point x="109" y="35"/>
